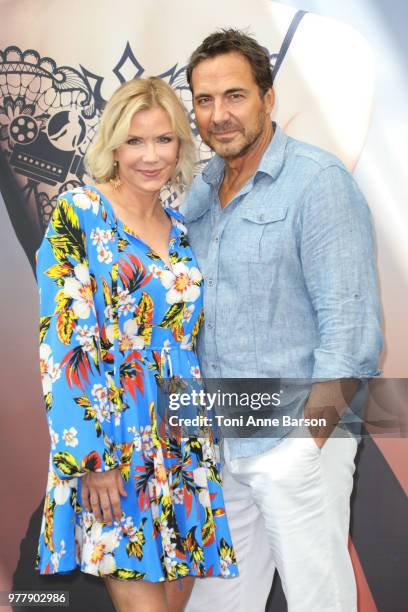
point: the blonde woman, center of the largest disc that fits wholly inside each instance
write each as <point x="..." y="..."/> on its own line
<point x="121" y="305"/>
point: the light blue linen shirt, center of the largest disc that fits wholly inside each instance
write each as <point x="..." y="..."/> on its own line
<point x="289" y="272"/>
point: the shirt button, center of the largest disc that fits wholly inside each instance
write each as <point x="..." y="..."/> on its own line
<point x="210" y="326"/>
<point x="210" y="282"/>
<point x="217" y="239"/>
<point x="214" y="366"/>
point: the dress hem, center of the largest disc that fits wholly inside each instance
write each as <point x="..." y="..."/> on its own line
<point x="190" y="574"/>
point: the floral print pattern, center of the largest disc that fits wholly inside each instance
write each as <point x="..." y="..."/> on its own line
<point x="115" y="322"/>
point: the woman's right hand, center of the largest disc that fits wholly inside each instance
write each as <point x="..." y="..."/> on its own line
<point x="101" y="493"/>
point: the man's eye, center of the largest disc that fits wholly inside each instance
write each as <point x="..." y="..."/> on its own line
<point x="236" y="96"/>
<point x="203" y="101"/>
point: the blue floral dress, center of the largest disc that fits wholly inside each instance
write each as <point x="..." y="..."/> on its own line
<point x="115" y="321"/>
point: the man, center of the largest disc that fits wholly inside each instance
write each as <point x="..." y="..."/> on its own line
<point x="284" y="241"/>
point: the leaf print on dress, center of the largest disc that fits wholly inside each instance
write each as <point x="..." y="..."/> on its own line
<point x="133" y="273"/>
<point x="136" y="537"/>
<point x="144" y="317"/>
<point x="69" y="241"/>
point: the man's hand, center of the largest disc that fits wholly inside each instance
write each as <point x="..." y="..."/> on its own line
<point x="101" y="492"/>
<point x="328" y="400"/>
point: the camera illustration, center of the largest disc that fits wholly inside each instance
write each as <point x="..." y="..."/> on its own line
<point x="47" y="155"/>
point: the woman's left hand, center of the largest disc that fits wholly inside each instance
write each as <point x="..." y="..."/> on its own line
<point x="101" y="492"/>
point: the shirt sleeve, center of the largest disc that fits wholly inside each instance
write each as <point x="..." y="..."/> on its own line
<point x="76" y="394"/>
<point x="338" y="260"/>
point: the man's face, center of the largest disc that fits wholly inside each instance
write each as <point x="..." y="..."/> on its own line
<point x="231" y="113"/>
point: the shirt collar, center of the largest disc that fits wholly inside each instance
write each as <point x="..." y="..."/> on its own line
<point x="273" y="159"/>
<point x="271" y="162"/>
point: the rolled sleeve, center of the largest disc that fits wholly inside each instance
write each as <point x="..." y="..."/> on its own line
<point x="338" y="260"/>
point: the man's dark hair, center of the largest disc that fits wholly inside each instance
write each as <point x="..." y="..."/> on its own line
<point x="229" y="40"/>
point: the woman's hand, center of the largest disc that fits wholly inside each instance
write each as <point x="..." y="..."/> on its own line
<point x="101" y="492"/>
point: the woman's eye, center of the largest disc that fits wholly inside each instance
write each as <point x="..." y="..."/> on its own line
<point x="133" y="141"/>
<point x="165" y="139"/>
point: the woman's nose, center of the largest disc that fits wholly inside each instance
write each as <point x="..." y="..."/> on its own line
<point x="150" y="152"/>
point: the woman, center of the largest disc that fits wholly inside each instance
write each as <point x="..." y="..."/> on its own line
<point x="121" y="306"/>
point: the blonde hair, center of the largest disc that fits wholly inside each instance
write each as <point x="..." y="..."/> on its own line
<point x="130" y="98"/>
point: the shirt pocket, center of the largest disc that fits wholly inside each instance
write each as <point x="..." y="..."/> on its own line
<point x="259" y="234"/>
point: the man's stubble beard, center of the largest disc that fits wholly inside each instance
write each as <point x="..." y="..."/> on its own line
<point x="250" y="140"/>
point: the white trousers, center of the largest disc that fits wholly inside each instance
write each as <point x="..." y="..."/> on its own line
<point x="288" y="509"/>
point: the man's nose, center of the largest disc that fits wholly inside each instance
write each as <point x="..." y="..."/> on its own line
<point x="220" y="112"/>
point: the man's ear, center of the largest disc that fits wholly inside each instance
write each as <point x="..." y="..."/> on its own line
<point x="269" y="99"/>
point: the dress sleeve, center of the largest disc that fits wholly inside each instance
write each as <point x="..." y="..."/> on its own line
<point x="75" y="391"/>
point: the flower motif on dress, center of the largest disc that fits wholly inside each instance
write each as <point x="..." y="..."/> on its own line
<point x="155" y="270"/>
<point x="101" y="407"/>
<point x="80" y="290"/>
<point x="100" y="238"/>
<point x="50" y="371"/>
<point x="195" y="372"/>
<point x="87" y="337"/>
<point x="62" y="488"/>
<point x="168" y="537"/>
<point x="171" y="565"/>
<point x="85" y="199"/>
<point x="53" y="435"/>
<point x="125" y="301"/>
<point x="200" y="477"/>
<point x="178" y="495"/>
<point x="128" y="338"/>
<point x="100" y="393"/>
<point x="104" y="254"/>
<point x="227" y="557"/>
<point x="137" y="439"/>
<point x="186" y="343"/>
<point x="102" y="412"/>
<point x="108" y="312"/>
<point x="116" y="411"/>
<point x="56" y="556"/>
<point x="70" y="437"/>
<point x="147" y="440"/>
<point x="135" y="536"/>
<point x="209" y="452"/>
<point x="182" y="282"/>
<point x="98" y="549"/>
<point x="158" y="485"/>
<point x="188" y="312"/>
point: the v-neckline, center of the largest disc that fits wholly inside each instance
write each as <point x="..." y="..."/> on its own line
<point x="128" y="230"/>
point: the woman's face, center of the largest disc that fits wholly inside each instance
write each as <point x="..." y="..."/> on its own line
<point x="149" y="156"/>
